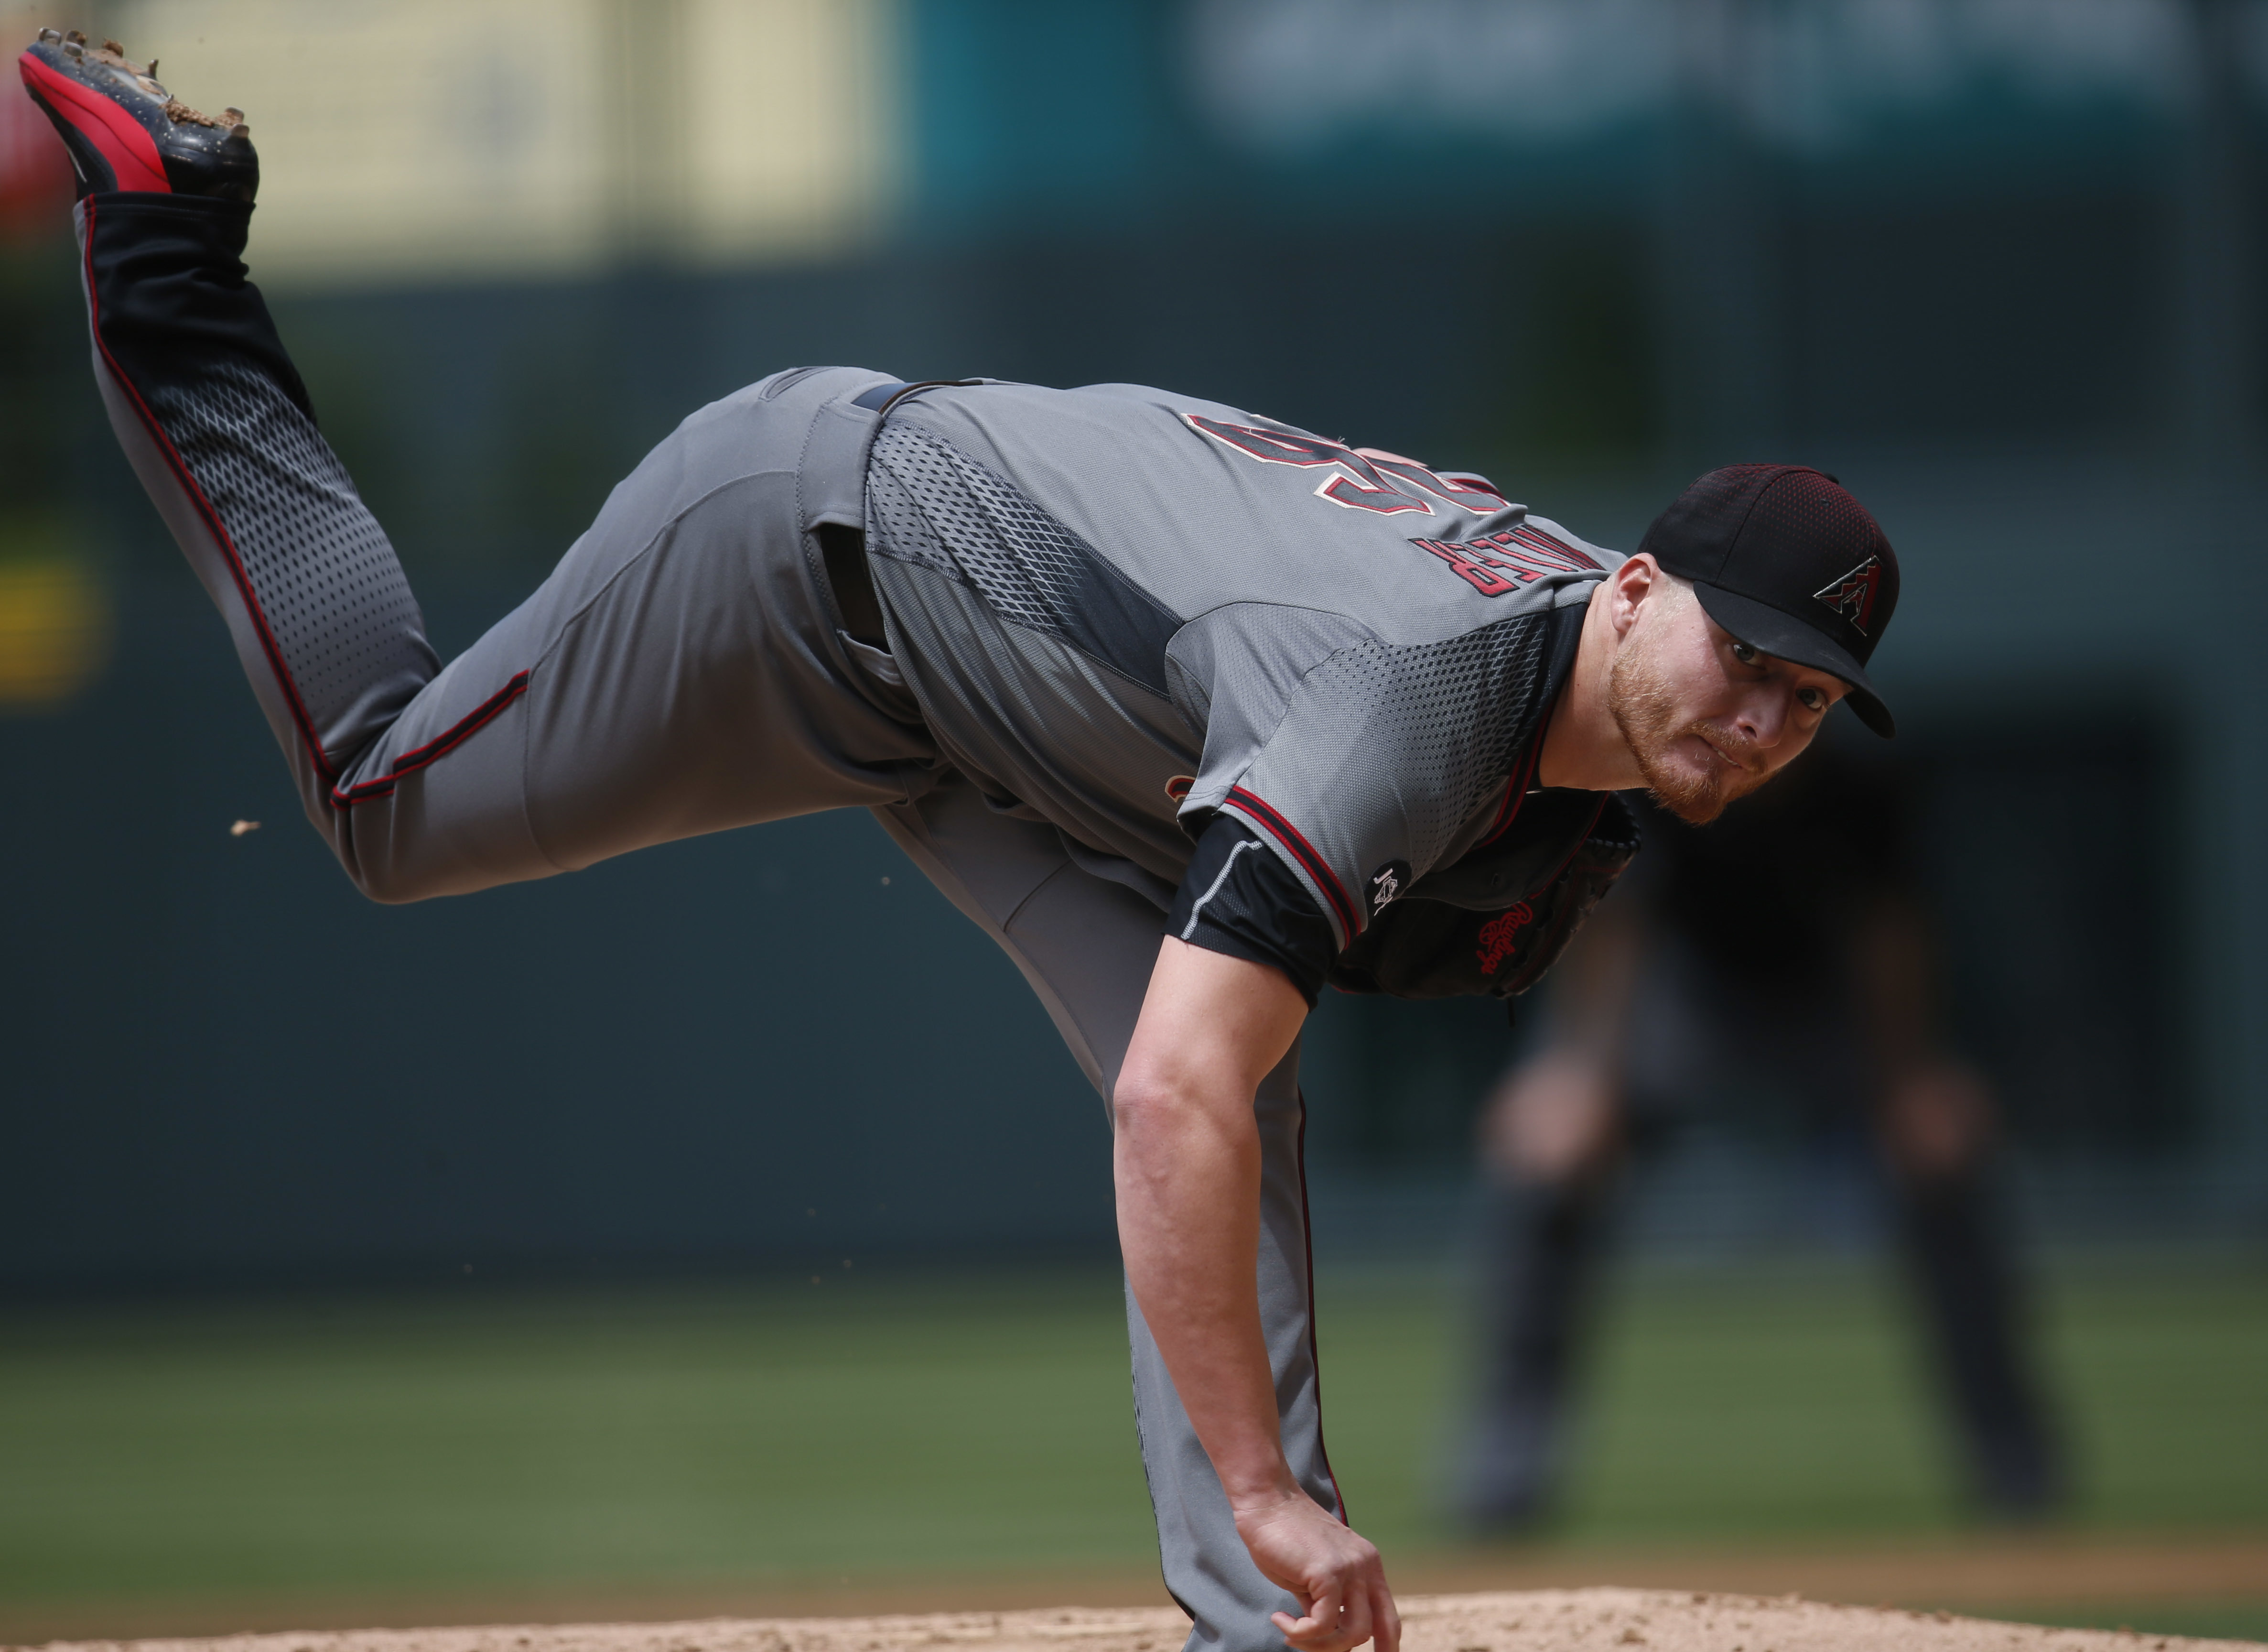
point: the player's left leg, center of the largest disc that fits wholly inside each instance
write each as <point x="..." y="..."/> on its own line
<point x="1088" y="946"/>
<point x="684" y="669"/>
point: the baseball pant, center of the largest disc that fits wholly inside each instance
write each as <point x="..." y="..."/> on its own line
<point x="684" y="670"/>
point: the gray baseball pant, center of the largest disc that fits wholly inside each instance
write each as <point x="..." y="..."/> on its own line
<point x="684" y="670"/>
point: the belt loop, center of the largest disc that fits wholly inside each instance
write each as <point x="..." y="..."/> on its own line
<point x="883" y="397"/>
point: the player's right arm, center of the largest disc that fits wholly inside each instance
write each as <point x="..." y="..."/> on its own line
<point x="1188" y="1168"/>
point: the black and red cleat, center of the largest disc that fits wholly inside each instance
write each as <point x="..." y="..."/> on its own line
<point x="125" y="131"/>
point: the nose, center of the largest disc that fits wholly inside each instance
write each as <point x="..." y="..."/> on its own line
<point x="1763" y="719"/>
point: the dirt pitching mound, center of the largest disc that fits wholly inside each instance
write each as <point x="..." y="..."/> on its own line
<point x="1543" y="1620"/>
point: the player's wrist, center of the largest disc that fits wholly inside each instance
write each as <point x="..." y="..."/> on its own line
<point x="1260" y="1497"/>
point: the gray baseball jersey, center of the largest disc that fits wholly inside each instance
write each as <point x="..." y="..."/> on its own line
<point x="1124" y="611"/>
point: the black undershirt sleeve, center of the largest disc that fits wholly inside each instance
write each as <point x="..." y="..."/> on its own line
<point x="1238" y="898"/>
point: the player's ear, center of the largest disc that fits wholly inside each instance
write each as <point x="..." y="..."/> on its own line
<point x="1631" y="585"/>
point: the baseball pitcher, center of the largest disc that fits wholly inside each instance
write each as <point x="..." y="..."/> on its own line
<point x="1193" y="713"/>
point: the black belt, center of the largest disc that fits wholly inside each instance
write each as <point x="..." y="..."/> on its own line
<point x="844" y="550"/>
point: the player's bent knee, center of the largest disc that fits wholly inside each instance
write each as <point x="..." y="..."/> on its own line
<point x="390" y="891"/>
<point x="444" y="831"/>
<point x="387" y="883"/>
<point x="391" y="876"/>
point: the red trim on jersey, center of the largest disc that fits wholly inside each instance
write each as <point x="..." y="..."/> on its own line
<point x="1515" y="790"/>
<point x="410" y="761"/>
<point x="1315" y="1349"/>
<point x="121" y="139"/>
<point x="1263" y="812"/>
<point x="1482" y="576"/>
<point x="1467" y="481"/>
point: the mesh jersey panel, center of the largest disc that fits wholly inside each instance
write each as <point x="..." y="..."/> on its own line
<point x="324" y="576"/>
<point x="1427" y="734"/>
<point x="1034" y="719"/>
<point x="933" y="506"/>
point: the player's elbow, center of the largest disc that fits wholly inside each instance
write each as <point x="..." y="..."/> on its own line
<point x="1144" y="1098"/>
<point x="1159" y="1100"/>
<point x="1154" y="1128"/>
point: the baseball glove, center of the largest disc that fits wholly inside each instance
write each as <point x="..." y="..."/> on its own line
<point x="1495" y="921"/>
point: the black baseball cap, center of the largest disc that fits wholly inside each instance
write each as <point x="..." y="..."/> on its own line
<point x="1782" y="557"/>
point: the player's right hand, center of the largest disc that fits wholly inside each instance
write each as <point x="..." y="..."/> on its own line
<point x="1333" y="1569"/>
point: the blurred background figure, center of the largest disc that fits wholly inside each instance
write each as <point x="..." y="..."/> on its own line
<point x="1776" y="972"/>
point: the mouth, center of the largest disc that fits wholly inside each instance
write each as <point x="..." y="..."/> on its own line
<point x="1717" y="751"/>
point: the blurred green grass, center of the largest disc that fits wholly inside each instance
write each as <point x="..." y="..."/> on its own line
<point x="1795" y="1402"/>
<point x="785" y="1434"/>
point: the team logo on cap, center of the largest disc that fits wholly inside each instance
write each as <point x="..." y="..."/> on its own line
<point x="1388" y="883"/>
<point x="1852" y="596"/>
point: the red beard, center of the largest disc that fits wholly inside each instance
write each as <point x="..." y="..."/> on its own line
<point x="1645" y="709"/>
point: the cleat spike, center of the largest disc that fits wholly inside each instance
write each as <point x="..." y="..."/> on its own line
<point x="124" y="131"/>
<point x="151" y="70"/>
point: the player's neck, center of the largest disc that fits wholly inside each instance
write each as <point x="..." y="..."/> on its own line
<point x="1583" y="747"/>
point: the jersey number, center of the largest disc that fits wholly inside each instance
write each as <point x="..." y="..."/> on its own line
<point x="1360" y="481"/>
<point x="1366" y="481"/>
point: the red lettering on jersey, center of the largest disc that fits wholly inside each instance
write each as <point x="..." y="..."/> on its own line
<point x="1388" y="484"/>
<point x="1473" y="493"/>
<point x="1506" y="561"/>
<point x="1556" y="555"/>
<point x="1474" y="572"/>
<point x="1355" y="482"/>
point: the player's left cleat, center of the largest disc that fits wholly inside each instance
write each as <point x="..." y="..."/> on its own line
<point x="125" y="131"/>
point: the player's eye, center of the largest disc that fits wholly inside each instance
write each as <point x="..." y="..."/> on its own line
<point x="1745" y="654"/>
<point x="1814" y="699"/>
